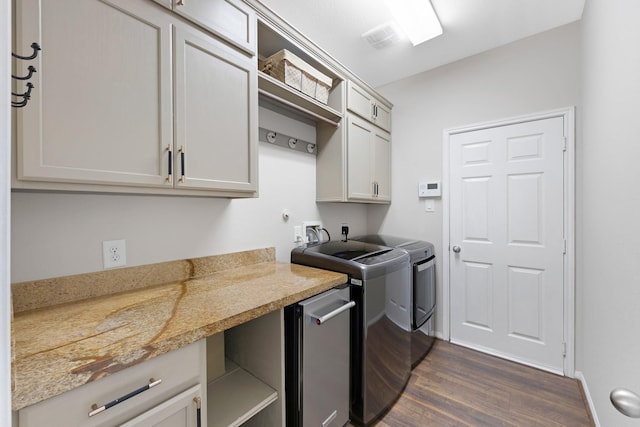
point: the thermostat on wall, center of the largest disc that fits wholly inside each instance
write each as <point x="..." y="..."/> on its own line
<point x="429" y="189"/>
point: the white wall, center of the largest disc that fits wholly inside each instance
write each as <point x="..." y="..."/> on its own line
<point x="610" y="275"/>
<point x="61" y="234"/>
<point x="535" y="74"/>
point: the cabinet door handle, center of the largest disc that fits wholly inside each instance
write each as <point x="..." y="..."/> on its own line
<point x="180" y="3"/>
<point x="170" y="164"/>
<point x="198" y="402"/>
<point x="95" y="410"/>
<point x="182" y="168"/>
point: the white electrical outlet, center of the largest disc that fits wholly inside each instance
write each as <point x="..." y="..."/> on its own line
<point x="315" y="233"/>
<point x="114" y="253"/>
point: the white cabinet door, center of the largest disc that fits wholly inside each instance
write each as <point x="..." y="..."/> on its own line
<point x="381" y="147"/>
<point x="182" y="410"/>
<point x="382" y="115"/>
<point x="216" y="114"/>
<point x="232" y="20"/>
<point x="359" y="101"/>
<point x="101" y="108"/>
<point x="360" y="184"/>
<point x="369" y="107"/>
<point x="369" y="162"/>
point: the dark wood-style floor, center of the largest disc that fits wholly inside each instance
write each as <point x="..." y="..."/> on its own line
<point x="456" y="386"/>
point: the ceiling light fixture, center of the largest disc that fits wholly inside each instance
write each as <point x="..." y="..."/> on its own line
<point x="417" y="19"/>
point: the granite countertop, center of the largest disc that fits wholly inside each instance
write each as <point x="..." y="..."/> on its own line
<point x="78" y="340"/>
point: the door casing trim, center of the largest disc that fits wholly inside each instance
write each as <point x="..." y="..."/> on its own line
<point x="568" y="115"/>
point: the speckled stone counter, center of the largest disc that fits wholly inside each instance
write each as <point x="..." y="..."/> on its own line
<point x="73" y="330"/>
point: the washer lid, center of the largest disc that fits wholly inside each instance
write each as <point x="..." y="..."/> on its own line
<point x="350" y="250"/>
<point x="383" y="240"/>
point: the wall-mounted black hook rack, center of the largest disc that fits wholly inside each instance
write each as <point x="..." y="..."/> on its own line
<point x="30" y="71"/>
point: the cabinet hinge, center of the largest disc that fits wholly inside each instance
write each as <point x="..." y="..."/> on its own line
<point x="564" y="246"/>
<point x="564" y="349"/>
<point x="564" y="143"/>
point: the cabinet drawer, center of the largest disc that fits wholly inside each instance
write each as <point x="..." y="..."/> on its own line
<point x="178" y="370"/>
<point x="179" y="411"/>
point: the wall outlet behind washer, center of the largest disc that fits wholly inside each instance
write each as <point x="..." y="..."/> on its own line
<point x="315" y="225"/>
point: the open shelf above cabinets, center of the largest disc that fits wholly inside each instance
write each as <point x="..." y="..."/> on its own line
<point x="279" y="96"/>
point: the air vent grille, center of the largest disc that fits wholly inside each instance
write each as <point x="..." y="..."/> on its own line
<point x="383" y="35"/>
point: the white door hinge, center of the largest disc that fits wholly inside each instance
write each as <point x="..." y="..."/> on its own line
<point x="564" y="349"/>
<point x="564" y="143"/>
<point x="564" y="246"/>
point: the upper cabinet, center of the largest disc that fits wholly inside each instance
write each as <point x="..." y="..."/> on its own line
<point x="130" y="98"/>
<point x="231" y="20"/>
<point x="368" y="106"/>
<point x="353" y="163"/>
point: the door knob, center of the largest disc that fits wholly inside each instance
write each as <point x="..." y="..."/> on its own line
<point x="626" y="402"/>
<point x="456" y="249"/>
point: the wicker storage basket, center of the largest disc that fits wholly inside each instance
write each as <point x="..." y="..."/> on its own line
<point x="294" y="72"/>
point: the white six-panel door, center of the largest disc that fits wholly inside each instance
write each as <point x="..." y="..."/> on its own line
<point x="507" y="241"/>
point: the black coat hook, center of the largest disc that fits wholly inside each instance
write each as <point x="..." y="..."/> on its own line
<point x="25" y="96"/>
<point x="35" y="46"/>
<point x="31" y="70"/>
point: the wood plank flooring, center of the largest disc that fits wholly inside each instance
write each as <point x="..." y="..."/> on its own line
<point x="456" y="386"/>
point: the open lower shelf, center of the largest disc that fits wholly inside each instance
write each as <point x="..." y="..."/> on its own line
<point x="236" y="396"/>
<point x="278" y="92"/>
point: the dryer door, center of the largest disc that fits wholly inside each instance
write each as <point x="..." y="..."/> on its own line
<point x="424" y="291"/>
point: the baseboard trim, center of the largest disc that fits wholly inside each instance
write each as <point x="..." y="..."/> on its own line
<point x="585" y="390"/>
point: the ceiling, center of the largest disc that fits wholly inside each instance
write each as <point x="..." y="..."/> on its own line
<point x="470" y="27"/>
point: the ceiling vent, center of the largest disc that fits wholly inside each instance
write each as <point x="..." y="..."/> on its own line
<point x="383" y="35"/>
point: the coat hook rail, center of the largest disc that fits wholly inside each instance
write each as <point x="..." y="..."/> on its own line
<point x="31" y="69"/>
<point x="36" y="48"/>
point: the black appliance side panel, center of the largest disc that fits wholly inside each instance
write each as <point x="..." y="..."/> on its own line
<point x="292" y="360"/>
<point x="357" y="353"/>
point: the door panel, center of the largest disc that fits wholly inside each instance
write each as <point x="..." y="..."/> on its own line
<point x="478" y="295"/>
<point x="507" y="216"/>
<point x="102" y="113"/>
<point x="360" y="185"/>
<point x="382" y="164"/>
<point x="215" y="113"/>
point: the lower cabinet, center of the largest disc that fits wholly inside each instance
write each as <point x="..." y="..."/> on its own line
<point x="243" y="369"/>
<point x="181" y="375"/>
<point x="246" y="374"/>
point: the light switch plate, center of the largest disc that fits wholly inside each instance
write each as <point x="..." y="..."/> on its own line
<point x="429" y="205"/>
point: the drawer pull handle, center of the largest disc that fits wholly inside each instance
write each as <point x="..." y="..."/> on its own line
<point x="322" y="319"/>
<point x="96" y="410"/>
